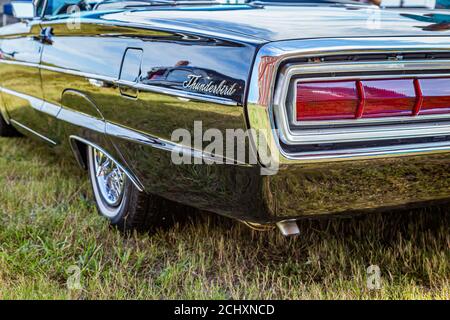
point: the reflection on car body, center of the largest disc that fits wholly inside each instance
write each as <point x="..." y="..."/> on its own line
<point x="182" y="76"/>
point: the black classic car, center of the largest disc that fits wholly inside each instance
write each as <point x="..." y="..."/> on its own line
<point x="323" y="108"/>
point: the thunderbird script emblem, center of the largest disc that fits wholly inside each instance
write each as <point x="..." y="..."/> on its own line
<point x="222" y="88"/>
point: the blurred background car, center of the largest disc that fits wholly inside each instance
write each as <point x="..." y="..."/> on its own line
<point x="6" y="13"/>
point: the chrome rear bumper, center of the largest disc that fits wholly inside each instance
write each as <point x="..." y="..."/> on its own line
<point x="357" y="186"/>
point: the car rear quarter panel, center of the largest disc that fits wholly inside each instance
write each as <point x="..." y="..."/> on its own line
<point x="139" y="130"/>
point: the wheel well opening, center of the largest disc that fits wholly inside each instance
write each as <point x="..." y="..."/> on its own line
<point x="80" y="151"/>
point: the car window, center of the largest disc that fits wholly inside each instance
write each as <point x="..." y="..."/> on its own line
<point x="40" y="4"/>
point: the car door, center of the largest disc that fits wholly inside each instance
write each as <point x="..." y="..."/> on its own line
<point x="81" y="60"/>
<point x="20" y="56"/>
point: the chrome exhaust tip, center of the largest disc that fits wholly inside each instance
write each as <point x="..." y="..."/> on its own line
<point x="288" y="228"/>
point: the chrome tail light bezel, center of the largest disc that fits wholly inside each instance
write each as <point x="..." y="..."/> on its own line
<point x="338" y="131"/>
<point x="277" y="64"/>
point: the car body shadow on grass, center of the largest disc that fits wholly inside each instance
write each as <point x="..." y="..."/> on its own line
<point x="48" y="227"/>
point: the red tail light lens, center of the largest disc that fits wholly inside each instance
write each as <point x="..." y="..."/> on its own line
<point x="436" y="96"/>
<point x="326" y="100"/>
<point x="388" y="98"/>
<point x="339" y="100"/>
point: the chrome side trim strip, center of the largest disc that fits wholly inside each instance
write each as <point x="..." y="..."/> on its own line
<point x="132" y="85"/>
<point x="35" y="103"/>
<point x="131" y="176"/>
<point x="80" y="74"/>
<point x="120" y="132"/>
<point x="33" y="132"/>
<point x="20" y="63"/>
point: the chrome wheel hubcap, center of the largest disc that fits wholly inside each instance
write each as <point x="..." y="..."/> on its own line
<point x="110" y="179"/>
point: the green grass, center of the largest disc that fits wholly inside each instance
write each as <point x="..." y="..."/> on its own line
<point x="48" y="225"/>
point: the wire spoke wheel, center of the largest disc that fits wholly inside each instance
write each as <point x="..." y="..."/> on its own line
<point x="119" y="200"/>
<point x="110" y="179"/>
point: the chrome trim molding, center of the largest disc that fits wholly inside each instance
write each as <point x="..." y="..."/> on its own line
<point x="80" y="74"/>
<point x="3" y="111"/>
<point x="132" y="85"/>
<point x="20" y="63"/>
<point x="266" y="113"/>
<point x="35" y="103"/>
<point x="118" y="131"/>
<point x="362" y="153"/>
<point x="131" y="176"/>
<point x="333" y="67"/>
<point x="381" y="130"/>
<point x="33" y="132"/>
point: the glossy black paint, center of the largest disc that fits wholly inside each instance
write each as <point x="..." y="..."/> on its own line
<point x="277" y="23"/>
<point x="81" y="83"/>
<point x="21" y="54"/>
